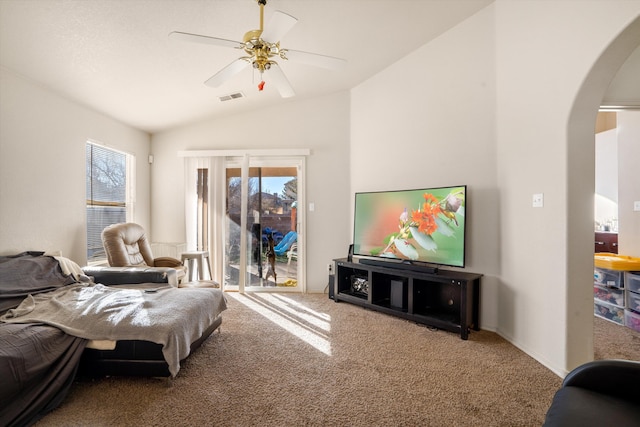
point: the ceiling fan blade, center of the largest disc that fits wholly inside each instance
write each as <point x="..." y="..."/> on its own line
<point x="227" y="72"/>
<point x="196" y="38"/>
<point x="280" y="81"/>
<point x="279" y="25"/>
<point x="317" y="60"/>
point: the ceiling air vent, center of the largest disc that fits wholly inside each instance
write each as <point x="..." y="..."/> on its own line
<point x="232" y="96"/>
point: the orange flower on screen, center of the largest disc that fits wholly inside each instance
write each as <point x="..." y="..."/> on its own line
<point x="430" y="198"/>
<point x="425" y="219"/>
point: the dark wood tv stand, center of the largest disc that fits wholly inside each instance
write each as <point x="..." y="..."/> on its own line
<point x="446" y="299"/>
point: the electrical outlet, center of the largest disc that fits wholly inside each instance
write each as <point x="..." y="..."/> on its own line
<point x="330" y="268"/>
<point x="538" y="200"/>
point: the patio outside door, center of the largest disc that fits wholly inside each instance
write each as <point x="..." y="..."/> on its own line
<point x="263" y="225"/>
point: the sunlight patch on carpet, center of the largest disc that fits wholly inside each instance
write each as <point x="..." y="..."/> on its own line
<point x="296" y="318"/>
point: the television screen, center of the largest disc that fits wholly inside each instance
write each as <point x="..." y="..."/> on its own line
<point x="424" y="225"/>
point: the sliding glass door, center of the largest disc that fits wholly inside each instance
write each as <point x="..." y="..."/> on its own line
<point x="263" y="227"/>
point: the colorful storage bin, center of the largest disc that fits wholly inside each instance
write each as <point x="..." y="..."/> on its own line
<point x="608" y="311"/>
<point x="633" y="301"/>
<point x="632" y="280"/>
<point x="609" y="269"/>
<point x="610" y="295"/>
<point x="632" y="320"/>
<point x="610" y="278"/>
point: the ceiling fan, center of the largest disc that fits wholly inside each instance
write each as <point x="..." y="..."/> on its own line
<point x="262" y="48"/>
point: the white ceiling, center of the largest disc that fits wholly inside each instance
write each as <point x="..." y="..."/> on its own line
<point x="115" y="55"/>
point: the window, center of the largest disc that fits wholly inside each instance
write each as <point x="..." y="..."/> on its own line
<point x="109" y="198"/>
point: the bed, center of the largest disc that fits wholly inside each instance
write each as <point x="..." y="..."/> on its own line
<point x="87" y="327"/>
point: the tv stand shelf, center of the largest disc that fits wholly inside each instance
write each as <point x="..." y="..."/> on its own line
<point x="445" y="299"/>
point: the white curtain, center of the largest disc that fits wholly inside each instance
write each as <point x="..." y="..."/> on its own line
<point x="192" y="164"/>
<point x="216" y="196"/>
<point x="217" y="216"/>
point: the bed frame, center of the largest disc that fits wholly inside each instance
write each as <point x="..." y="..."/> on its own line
<point x="132" y="358"/>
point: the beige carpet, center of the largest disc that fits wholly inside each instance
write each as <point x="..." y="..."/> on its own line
<point x="304" y="360"/>
<point x="613" y="341"/>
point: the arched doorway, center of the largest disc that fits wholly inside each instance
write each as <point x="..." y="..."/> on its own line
<point x="580" y="166"/>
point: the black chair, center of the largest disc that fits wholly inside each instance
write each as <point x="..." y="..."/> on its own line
<point x="599" y="393"/>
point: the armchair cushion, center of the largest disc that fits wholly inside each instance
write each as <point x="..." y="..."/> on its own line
<point x="126" y="245"/>
<point x="598" y="393"/>
<point x="132" y="275"/>
<point x="167" y="262"/>
<point x="575" y="406"/>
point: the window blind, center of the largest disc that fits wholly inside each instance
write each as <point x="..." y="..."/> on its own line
<point x="106" y="193"/>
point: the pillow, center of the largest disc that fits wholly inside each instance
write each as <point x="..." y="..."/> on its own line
<point x="69" y="267"/>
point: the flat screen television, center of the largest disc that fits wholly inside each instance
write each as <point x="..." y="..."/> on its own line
<point x="422" y="226"/>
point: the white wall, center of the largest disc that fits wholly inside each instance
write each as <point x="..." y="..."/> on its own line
<point x="321" y="125"/>
<point x="490" y="103"/>
<point x="606" y="176"/>
<point x="607" y="164"/>
<point x="629" y="182"/>
<point x="42" y="168"/>
<point x="427" y="121"/>
<point x="612" y="167"/>
<point x="624" y="90"/>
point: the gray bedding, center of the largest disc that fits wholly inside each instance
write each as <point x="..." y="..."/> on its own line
<point x="37" y="362"/>
<point x="37" y="366"/>
<point x="99" y="312"/>
<point x="28" y="273"/>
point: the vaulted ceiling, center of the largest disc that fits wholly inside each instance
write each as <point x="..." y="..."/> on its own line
<point x="115" y="56"/>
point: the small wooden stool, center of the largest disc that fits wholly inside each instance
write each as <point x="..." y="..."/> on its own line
<point x="200" y="284"/>
<point x="199" y="257"/>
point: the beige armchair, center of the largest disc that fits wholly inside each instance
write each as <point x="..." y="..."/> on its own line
<point x="126" y="245"/>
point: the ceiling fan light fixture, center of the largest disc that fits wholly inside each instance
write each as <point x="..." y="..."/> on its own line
<point x="252" y="37"/>
<point x="274" y="49"/>
<point x="262" y="46"/>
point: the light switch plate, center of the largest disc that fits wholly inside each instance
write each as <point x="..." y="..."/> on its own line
<point x="538" y="200"/>
<point x="636" y="205"/>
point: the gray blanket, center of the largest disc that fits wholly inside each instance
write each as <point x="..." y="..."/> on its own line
<point x="37" y="367"/>
<point x="28" y="273"/>
<point x="171" y="317"/>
